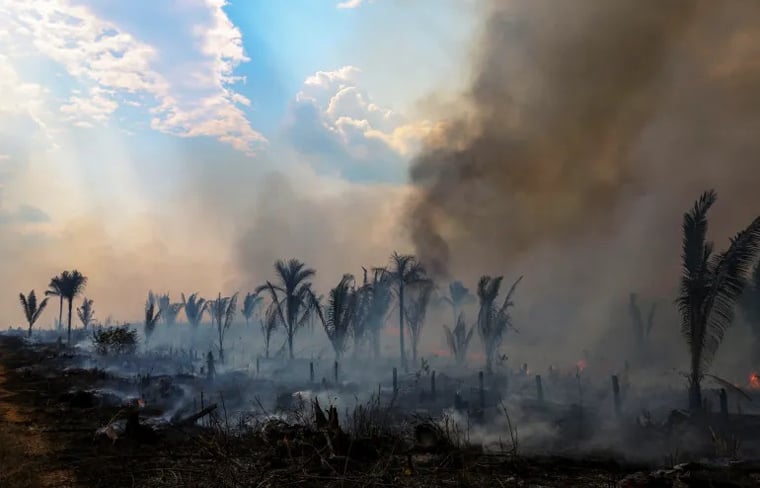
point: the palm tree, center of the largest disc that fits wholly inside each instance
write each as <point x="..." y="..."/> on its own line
<point x="251" y="303"/>
<point x="269" y="322"/>
<point x="493" y="320"/>
<point x="86" y="312"/>
<point x="458" y="296"/>
<point x="379" y="293"/>
<point x="194" y="309"/>
<point x="641" y="330"/>
<point x="72" y="283"/>
<point x="416" y="310"/>
<point x="710" y="286"/>
<point x="222" y="311"/>
<point x="339" y="314"/>
<point x="405" y="271"/>
<point x="32" y="310"/>
<point x="169" y="311"/>
<point x="360" y="321"/>
<point x="152" y="314"/>
<point x="459" y="339"/>
<point x="54" y="290"/>
<point x="293" y="299"/>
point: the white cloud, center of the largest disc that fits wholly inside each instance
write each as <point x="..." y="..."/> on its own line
<point x="351" y="3"/>
<point x="111" y="63"/>
<point x="334" y="118"/>
<point x="349" y="111"/>
<point x="19" y="97"/>
<point x="96" y="108"/>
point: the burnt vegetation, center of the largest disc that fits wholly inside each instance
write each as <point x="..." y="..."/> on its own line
<point x="429" y="416"/>
<point x="586" y="130"/>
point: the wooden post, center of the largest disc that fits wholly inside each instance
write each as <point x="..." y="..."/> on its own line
<point x="258" y="365"/>
<point x="616" y="394"/>
<point x="432" y="385"/>
<point x="723" y="403"/>
<point x="395" y="380"/>
<point x="539" y="389"/>
<point x="482" y="391"/>
<point x="336" y="372"/>
<point x="311" y="372"/>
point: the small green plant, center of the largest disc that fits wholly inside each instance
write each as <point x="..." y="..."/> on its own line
<point x="115" y="340"/>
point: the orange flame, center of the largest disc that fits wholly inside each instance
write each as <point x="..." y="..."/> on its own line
<point x="581" y="365"/>
<point x="754" y="381"/>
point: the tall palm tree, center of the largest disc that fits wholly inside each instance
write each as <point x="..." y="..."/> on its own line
<point x="710" y="286"/>
<point x="251" y="303"/>
<point x="54" y="290"/>
<point x="416" y="310"/>
<point x="72" y="284"/>
<point x="152" y="314"/>
<point x="379" y="293"/>
<point x="459" y="339"/>
<point x="458" y="296"/>
<point x="339" y="314"/>
<point x="493" y="320"/>
<point x="405" y="271"/>
<point x="293" y="299"/>
<point x="86" y="312"/>
<point x="222" y="311"/>
<point x="194" y="309"/>
<point x="32" y="310"/>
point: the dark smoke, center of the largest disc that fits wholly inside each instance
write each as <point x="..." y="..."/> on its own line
<point x="587" y="130"/>
<point x="585" y="120"/>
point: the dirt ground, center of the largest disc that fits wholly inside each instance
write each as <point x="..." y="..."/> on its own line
<point x="45" y="442"/>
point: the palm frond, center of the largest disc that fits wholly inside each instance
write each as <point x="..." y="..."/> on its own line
<point x="195" y="307"/>
<point x="86" y="312"/>
<point x="728" y="271"/>
<point x="152" y="314"/>
<point x="337" y="318"/>
<point x="251" y="302"/>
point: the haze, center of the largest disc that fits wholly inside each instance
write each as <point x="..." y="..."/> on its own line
<point x="185" y="146"/>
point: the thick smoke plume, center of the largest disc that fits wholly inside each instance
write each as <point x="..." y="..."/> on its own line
<point x="588" y="128"/>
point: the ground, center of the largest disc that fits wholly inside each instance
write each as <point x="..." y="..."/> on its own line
<point x="46" y="442"/>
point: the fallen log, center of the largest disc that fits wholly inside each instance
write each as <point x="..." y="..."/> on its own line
<point x="190" y="420"/>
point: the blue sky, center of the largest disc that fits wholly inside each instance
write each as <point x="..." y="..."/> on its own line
<point x="135" y="130"/>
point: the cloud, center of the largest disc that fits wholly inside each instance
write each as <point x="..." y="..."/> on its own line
<point x="351" y="3"/>
<point x="339" y="127"/>
<point x="112" y="65"/>
<point x="22" y="98"/>
<point x="23" y="214"/>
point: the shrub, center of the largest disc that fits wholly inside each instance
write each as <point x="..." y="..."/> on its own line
<point x="115" y="340"/>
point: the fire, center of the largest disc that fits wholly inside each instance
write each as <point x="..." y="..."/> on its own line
<point x="754" y="381"/>
<point x="581" y="365"/>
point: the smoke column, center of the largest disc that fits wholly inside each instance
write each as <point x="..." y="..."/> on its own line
<point x="588" y="128"/>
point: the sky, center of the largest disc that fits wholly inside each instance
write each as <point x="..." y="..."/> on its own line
<point x="152" y="144"/>
<point x="184" y="146"/>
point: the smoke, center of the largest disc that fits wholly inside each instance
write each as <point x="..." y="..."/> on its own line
<point x="588" y="128"/>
